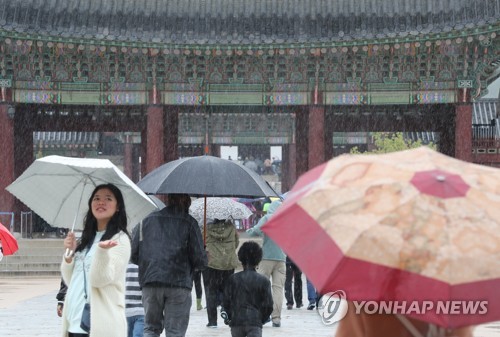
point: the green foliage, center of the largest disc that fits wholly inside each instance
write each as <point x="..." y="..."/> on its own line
<point x="386" y="142"/>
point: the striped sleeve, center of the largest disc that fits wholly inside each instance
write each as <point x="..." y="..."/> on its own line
<point x="133" y="293"/>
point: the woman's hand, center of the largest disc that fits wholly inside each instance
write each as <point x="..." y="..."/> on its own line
<point x="70" y="242"/>
<point x="70" y="245"/>
<point x="108" y="244"/>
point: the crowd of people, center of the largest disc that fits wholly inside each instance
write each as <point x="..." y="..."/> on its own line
<point x="139" y="284"/>
<point x="261" y="167"/>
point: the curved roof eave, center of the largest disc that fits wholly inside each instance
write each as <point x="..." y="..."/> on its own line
<point x="230" y="23"/>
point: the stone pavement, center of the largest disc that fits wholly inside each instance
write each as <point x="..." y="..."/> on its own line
<point x="28" y="308"/>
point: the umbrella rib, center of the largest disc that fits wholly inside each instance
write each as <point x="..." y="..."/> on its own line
<point x="68" y="194"/>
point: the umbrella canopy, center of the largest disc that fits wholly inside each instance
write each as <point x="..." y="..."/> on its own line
<point x="159" y="204"/>
<point x="8" y="241"/>
<point x="406" y="226"/>
<point x="58" y="188"/>
<point x="205" y="176"/>
<point x="218" y="208"/>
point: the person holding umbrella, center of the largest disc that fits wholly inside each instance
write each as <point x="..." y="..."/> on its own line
<point x="95" y="272"/>
<point x="273" y="263"/>
<point x="168" y="248"/>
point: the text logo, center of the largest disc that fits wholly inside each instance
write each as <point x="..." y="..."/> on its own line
<point x="333" y="309"/>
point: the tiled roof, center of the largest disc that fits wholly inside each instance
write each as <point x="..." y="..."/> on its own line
<point x="242" y="22"/>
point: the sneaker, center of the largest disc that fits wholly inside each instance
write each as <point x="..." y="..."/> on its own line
<point x="289" y="306"/>
<point x="299" y="305"/>
<point x="310" y="306"/>
<point x="276" y="325"/>
<point x="212" y="325"/>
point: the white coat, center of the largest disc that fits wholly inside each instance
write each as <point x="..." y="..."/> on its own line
<point x="107" y="294"/>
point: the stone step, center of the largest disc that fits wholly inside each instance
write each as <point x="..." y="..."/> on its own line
<point x="32" y="265"/>
<point x="30" y="273"/>
<point x="31" y="243"/>
<point x="35" y="257"/>
<point x="33" y="251"/>
<point x="38" y="257"/>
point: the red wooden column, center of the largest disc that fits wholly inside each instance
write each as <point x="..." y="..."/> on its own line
<point x="7" y="175"/>
<point x="463" y="132"/>
<point x="316" y="135"/>
<point x="128" y="157"/>
<point x="154" y="138"/>
<point x="288" y="167"/>
<point x="463" y="126"/>
<point x="301" y="143"/>
<point x="171" y="132"/>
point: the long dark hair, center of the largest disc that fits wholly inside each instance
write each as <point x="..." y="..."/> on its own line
<point x="117" y="223"/>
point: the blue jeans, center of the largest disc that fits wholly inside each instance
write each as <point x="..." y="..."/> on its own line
<point x="166" y="308"/>
<point x="311" y="293"/>
<point x="135" y="326"/>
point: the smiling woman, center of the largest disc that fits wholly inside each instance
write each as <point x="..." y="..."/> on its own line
<point x="96" y="272"/>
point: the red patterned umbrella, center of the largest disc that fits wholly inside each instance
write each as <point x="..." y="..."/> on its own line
<point x="414" y="225"/>
<point x="8" y="241"/>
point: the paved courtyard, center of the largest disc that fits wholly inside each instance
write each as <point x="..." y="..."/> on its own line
<point x="28" y="308"/>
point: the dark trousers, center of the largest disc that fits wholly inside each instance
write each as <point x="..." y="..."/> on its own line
<point x="293" y="273"/>
<point x="197" y="283"/>
<point x="166" y="308"/>
<point x="214" y="281"/>
<point x="246" y="331"/>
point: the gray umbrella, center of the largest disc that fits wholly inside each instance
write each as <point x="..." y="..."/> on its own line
<point x="206" y="176"/>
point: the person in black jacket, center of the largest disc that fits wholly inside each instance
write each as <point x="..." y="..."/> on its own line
<point x="168" y="248"/>
<point x="248" y="299"/>
<point x="61" y="295"/>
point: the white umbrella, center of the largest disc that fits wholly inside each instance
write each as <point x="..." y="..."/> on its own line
<point x="58" y="188"/>
<point x="219" y="208"/>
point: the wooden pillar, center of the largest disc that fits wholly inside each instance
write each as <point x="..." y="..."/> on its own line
<point x="154" y="138"/>
<point x="7" y="141"/>
<point x="301" y="142"/>
<point x="128" y="156"/>
<point x="171" y="134"/>
<point x="329" y="120"/>
<point x="316" y="134"/>
<point x="288" y="167"/>
<point x="463" y="131"/>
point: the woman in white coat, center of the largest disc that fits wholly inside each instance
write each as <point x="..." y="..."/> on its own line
<point x="99" y="262"/>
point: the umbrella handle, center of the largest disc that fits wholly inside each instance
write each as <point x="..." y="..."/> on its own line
<point x="68" y="253"/>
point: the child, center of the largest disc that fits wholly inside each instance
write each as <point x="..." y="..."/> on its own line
<point x="133" y="302"/>
<point x="248" y="300"/>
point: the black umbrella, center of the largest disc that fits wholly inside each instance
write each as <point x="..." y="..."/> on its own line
<point x="206" y="176"/>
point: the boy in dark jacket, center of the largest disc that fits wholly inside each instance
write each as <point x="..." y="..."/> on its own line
<point x="248" y="300"/>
